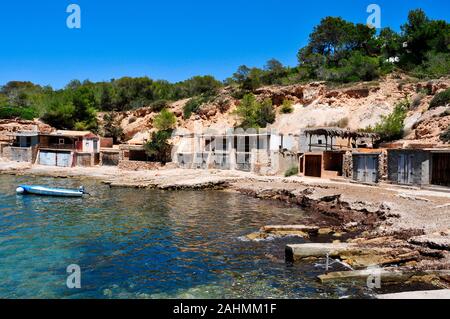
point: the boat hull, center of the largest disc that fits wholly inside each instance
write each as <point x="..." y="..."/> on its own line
<point x="48" y="191"/>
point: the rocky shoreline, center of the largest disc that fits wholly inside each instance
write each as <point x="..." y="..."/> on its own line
<point x="385" y="225"/>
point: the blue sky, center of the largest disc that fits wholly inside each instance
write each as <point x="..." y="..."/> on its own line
<point x="170" y="39"/>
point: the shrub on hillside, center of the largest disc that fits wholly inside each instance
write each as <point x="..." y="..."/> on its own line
<point x="223" y="104"/>
<point x="253" y="114"/>
<point x="193" y="105"/>
<point x="165" y="120"/>
<point x="435" y="66"/>
<point x="391" y="127"/>
<point x="158" y="106"/>
<point x="287" y="107"/>
<point x="342" y="123"/>
<point x="293" y="170"/>
<point x="440" y="99"/>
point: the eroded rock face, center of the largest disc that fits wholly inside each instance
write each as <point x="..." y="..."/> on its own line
<point x="357" y="105"/>
<point x="430" y="129"/>
<point x="11" y="126"/>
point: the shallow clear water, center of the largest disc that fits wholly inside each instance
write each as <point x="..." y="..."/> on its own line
<point x="147" y="244"/>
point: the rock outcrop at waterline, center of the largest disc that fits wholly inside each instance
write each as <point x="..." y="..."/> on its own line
<point x="348" y="216"/>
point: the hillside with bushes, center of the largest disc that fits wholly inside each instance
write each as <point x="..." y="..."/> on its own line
<point x="348" y="75"/>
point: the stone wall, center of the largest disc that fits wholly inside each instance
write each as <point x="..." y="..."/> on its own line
<point x="20" y="154"/>
<point x="2" y="146"/>
<point x="382" y="166"/>
<point x="284" y="161"/>
<point x="84" y="159"/>
<point x="138" y="165"/>
<point x="347" y="165"/>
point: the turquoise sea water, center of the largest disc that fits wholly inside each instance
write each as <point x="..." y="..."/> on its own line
<point x="148" y="244"/>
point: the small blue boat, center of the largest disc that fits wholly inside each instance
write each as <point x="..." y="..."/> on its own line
<point x="50" y="191"/>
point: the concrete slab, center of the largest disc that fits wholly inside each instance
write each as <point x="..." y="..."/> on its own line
<point x="424" y="294"/>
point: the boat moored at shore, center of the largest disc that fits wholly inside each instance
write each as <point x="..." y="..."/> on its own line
<point x="50" y="191"/>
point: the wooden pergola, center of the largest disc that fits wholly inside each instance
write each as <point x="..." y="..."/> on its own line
<point x="333" y="132"/>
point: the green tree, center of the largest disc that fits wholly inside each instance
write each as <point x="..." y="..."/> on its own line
<point x="83" y="99"/>
<point x="253" y="114"/>
<point x="265" y="113"/>
<point x="158" y="148"/>
<point x="111" y="127"/>
<point x="422" y="36"/>
<point x="106" y="98"/>
<point x="274" y="72"/>
<point x="165" y="120"/>
<point x="200" y="85"/>
<point x="247" y="111"/>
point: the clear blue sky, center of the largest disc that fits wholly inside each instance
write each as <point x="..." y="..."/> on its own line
<point x="170" y="39"/>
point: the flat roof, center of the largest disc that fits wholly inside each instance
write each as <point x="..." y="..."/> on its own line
<point x="25" y="133"/>
<point x="65" y="133"/>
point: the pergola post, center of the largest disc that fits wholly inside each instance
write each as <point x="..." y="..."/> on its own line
<point x="310" y="136"/>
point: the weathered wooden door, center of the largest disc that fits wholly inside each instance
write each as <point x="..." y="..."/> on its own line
<point x="405" y="169"/>
<point x="360" y="168"/>
<point x="313" y="165"/>
<point x="441" y="169"/>
<point x="366" y="169"/>
<point x="371" y="174"/>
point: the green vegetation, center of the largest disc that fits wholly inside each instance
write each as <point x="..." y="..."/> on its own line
<point x="158" y="148"/>
<point x="440" y="99"/>
<point x="391" y="127"/>
<point x="293" y="170"/>
<point x="112" y="128"/>
<point x="193" y="105"/>
<point x="286" y="107"/>
<point x="254" y="114"/>
<point x="342" y="52"/>
<point x="75" y="106"/>
<point x="8" y="112"/>
<point x="159" y="105"/>
<point x="165" y="120"/>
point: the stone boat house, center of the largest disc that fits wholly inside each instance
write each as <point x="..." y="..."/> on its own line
<point x="263" y="152"/>
<point x="328" y="153"/>
<point x="23" y="147"/>
<point x="69" y="148"/>
<point x="419" y="167"/>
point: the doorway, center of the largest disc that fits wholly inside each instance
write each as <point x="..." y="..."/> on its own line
<point x="313" y="165"/>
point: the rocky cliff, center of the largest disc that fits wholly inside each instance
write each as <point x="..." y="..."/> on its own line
<point x="354" y="106"/>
